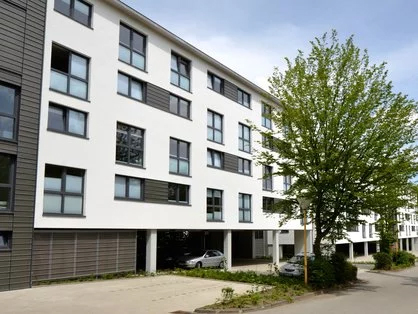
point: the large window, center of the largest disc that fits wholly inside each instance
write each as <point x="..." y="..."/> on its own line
<point x="267" y="142"/>
<point x="244" y="98"/>
<point x="215" y="83"/>
<point x="267" y="178"/>
<point x="78" y="10"/>
<point x="214" y="131"/>
<point x="129" y="145"/>
<point x="213" y="205"/>
<point x="244" y="166"/>
<point x="180" y="106"/>
<point x="179" y="157"/>
<point x="244" y="207"/>
<point x="5" y="240"/>
<point x="128" y="86"/>
<point x="6" y="182"/>
<point x="132" y="47"/>
<point x="66" y="120"/>
<point x="244" y="138"/>
<point x="128" y="188"/>
<point x="268" y="204"/>
<point x="215" y="158"/>
<point x="266" y="116"/>
<point x="180" y="72"/>
<point x="63" y="190"/>
<point x="69" y="72"/>
<point x="9" y="100"/>
<point x="178" y="193"/>
<point x="287" y="182"/>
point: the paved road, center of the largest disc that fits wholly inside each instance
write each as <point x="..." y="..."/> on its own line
<point x="380" y="293"/>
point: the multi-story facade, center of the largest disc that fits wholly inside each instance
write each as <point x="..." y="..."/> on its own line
<point x="21" y="56"/>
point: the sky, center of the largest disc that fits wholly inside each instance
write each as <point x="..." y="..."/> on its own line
<point x="254" y="36"/>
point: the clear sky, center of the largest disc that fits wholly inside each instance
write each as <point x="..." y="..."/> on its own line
<point x="253" y="36"/>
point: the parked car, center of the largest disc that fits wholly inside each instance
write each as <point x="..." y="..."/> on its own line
<point x="202" y="258"/>
<point x="295" y="266"/>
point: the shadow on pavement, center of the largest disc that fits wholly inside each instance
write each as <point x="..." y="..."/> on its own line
<point x="411" y="280"/>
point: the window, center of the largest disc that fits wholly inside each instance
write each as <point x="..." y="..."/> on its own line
<point x="267" y="178"/>
<point x="131" y="87"/>
<point x="287" y="182"/>
<point x="66" y="120"/>
<point x="244" y="98"/>
<point x="179" y="157"/>
<point x="132" y="47"/>
<point x="9" y="100"/>
<point x="401" y="228"/>
<point x="215" y="158"/>
<point x="5" y="240"/>
<point x="180" y="106"/>
<point x="77" y="10"/>
<point x="267" y="142"/>
<point x="370" y="230"/>
<point x="244" y="207"/>
<point x="178" y="193"/>
<point x="259" y="234"/>
<point x="244" y="138"/>
<point x="363" y="231"/>
<point x="63" y="190"/>
<point x="215" y="127"/>
<point x="266" y="116"/>
<point x="129" y="145"/>
<point x="180" y="72"/>
<point x="353" y="228"/>
<point x="268" y="204"/>
<point x="6" y="182"/>
<point x="69" y="72"/>
<point x="412" y="228"/>
<point x="128" y="188"/>
<point x="244" y="166"/>
<point x="215" y="83"/>
<point x="214" y="205"/>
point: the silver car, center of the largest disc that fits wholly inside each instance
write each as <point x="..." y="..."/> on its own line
<point x="294" y="266"/>
<point x="202" y="258"/>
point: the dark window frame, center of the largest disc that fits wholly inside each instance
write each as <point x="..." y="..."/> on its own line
<point x="130" y="47"/>
<point x="242" y="139"/>
<point x="72" y="8"/>
<point x="241" y="166"/>
<point x="69" y="75"/>
<point x="15" y="115"/>
<point x="9" y="237"/>
<point x="178" y="158"/>
<point x="213" y="129"/>
<point x="129" y="95"/>
<point x="62" y="191"/>
<point x="11" y="184"/>
<point x="188" y="64"/>
<point x="241" y="96"/>
<point x="177" y="187"/>
<point x="267" y="178"/>
<point x="266" y="111"/>
<point x="179" y="99"/>
<point x="211" y="209"/>
<point x="268" y="204"/>
<point x="129" y="131"/>
<point x="212" y="77"/>
<point x="67" y="120"/>
<point x="287" y="182"/>
<point x="212" y="152"/>
<point x="243" y="209"/>
<point x="267" y="142"/>
<point x="127" y="197"/>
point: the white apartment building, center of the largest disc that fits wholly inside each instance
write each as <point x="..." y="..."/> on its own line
<point x="143" y="135"/>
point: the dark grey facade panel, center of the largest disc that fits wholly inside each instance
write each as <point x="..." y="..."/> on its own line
<point x="230" y="91"/>
<point x="74" y="253"/>
<point x="158" y="97"/>
<point x="21" y="56"/>
<point x="155" y="191"/>
<point x="230" y="162"/>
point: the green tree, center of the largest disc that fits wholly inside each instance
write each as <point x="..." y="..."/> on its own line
<point x="343" y="135"/>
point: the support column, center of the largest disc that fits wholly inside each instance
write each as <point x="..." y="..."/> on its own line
<point x="401" y="244"/>
<point x="351" y="251"/>
<point x="280" y="251"/>
<point x="310" y="241"/>
<point x="413" y="245"/>
<point x="151" y="251"/>
<point x="377" y="246"/>
<point x="407" y="244"/>
<point x="228" y="248"/>
<point x="276" y="247"/>
<point x="254" y="245"/>
<point x="366" y="248"/>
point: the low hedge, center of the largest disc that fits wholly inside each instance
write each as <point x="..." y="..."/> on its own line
<point x="382" y="260"/>
<point x="399" y="259"/>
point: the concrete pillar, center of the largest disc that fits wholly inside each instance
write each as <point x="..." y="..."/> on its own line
<point x="407" y="244"/>
<point x="151" y="251"/>
<point x="413" y="244"/>
<point x="310" y="240"/>
<point x="377" y="246"/>
<point x="276" y="247"/>
<point x="280" y="251"/>
<point x="366" y="248"/>
<point x="351" y="251"/>
<point x="401" y="244"/>
<point x="254" y="253"/>
<point x="228" y="248"/>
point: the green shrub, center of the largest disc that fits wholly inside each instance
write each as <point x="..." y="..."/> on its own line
<point x="383" y="261"/>
<point x="403" y="258"/>
<point x="321" y="273"/>
<point x="344" y="270"/>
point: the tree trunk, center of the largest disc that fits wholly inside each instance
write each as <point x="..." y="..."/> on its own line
<point x="317" y="243"/>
